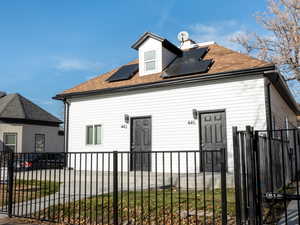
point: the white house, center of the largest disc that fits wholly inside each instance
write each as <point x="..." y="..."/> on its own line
<point x="173" y="98"/>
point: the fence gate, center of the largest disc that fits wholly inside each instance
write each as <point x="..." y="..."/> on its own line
<point x="267" y="176"/>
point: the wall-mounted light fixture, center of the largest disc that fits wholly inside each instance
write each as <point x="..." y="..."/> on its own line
<point x="126" y="118"/>
<point x="195" y="114"/>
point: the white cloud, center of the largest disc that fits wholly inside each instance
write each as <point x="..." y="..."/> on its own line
<point x="220" y="32"/>
<point x="73" y="64"/>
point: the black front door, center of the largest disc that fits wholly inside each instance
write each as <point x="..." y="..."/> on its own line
<point x="212" y="137"/>
<point x="141" y="144"/>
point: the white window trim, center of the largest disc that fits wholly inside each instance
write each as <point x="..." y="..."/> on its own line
<point x="94" y="134"/>
<point x="4" y="140"/>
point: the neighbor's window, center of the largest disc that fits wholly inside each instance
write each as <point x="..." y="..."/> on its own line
<point x="89" y="135"/>
<point x="149" y="60"/>
<point x="10" y="141"/>
<point x="40" y="141"/>
<point x="98" y="134"/>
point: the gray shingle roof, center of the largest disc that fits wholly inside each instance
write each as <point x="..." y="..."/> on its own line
<point x="15" y="106"/>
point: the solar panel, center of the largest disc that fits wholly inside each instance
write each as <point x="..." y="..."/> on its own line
<point x="124" y="73"/>
<point x="190" y="63"/>
<point x="195" y="53"/>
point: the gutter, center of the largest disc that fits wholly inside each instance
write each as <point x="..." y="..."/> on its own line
<point x="268" y="105"/>
<point x="66" y="124"/>
<point x="163" y="83"/>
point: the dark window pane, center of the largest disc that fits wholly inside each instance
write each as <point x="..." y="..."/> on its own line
<point x="10" y="142"/>
<point x="149" y="55"/>
<point x="89" y="135"/>
<point x="40" y="143"/>
<point x="10" y="139"/>
<point x="150" y="65"/>
<point x="98" y="133"/>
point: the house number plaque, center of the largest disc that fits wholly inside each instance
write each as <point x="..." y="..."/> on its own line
<point x="191" y="122"/>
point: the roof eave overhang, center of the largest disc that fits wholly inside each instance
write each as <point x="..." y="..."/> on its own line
<point x="144" y="37"/>
<point x="165" y="43"/>
<point x="29" y="121"/>
<point x="168" y="82"/>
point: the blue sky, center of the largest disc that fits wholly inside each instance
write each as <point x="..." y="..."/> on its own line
<point x="49" y="46"/>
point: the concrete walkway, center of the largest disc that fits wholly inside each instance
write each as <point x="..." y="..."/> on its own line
<point x="292" y="214"/>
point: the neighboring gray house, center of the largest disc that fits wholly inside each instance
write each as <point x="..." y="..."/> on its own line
<point x="25" y="127"/>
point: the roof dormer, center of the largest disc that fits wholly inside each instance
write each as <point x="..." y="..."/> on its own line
<point x="155" y="53"/>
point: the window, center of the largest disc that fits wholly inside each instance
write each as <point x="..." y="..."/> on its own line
<point x="40" y="143"/>
<point x="10" y="142"/>
<point x="149" y="60"/>
<point x="89" y="135"/>
<point x="94" y="134"/>
<point x="97" y="134"/>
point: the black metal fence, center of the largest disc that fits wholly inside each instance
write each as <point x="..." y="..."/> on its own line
<point x="267" y="176"/>
<point x="170" y="187"/>
<point x="5" y="181"/>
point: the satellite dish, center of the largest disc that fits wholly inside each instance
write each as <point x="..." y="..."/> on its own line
<point x="183" y="36"/>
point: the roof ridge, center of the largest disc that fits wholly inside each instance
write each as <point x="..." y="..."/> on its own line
<point x="12" y="98"/>
<point x="22" y="105"/>
<point x="25" y="99"/>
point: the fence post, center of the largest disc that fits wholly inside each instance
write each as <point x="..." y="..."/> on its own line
<point x="250" y="175"/>
<point x="223" y="186"/>
<point x="258" y="181"/>
<point x="237" y="176"/>
<point x="10" y="184"/>
<point x="115" y="188"/>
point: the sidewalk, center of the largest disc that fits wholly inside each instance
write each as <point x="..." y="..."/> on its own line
<point x="292" y="214"/>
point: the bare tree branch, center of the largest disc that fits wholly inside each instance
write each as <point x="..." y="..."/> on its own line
<point x="282" y="46"/>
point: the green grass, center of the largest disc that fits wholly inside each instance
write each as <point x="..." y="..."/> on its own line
<point x="25" y="190"/>
<point x="143" y="207"/>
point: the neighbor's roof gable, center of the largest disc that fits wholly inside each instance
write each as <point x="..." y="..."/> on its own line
<point x="15" y="106"/>
<point x="225" y="60"/>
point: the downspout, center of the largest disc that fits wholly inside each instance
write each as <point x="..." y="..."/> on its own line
<point x="66" y="124"/>
<point x="269" y="107"/>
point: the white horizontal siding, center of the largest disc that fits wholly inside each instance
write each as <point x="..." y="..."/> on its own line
<point x="281" y="111"/>
<point x="170" y="109"/>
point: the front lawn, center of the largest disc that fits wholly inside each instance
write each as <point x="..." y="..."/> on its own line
<point x="164" y="206"/>
<point x="25" y="190"/>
